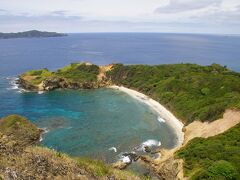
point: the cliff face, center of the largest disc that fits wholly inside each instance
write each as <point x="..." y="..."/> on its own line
<point x="20" y="158"/>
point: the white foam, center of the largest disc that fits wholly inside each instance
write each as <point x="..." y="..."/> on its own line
<point x="41" y="138"/>
<point x="113" y="149"/>
<point x="126" y="159"/>
<point x="45" y="130"/>
<point x="40" y="92"/>
<point x="149" y="143"/>
<point x="161" y="120"/>
<point x="165" y="114"/>
<point x="13" y="83"/>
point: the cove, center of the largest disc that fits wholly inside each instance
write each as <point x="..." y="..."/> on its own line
<point x="90" y="122"/>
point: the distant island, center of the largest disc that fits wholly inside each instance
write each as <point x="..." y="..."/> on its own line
<point x="30" y="34"/>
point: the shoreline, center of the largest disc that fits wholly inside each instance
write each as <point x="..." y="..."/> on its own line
<point x="162" y="112"/>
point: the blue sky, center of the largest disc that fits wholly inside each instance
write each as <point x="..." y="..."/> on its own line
<point x="181" y="16"/>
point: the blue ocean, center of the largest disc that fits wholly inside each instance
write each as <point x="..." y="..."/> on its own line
<point x="90" y="122"/>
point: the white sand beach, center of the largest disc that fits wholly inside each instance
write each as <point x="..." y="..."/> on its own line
<point x="163" y="113"/>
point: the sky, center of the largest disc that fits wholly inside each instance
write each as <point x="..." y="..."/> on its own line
<point x="73" y="16"/>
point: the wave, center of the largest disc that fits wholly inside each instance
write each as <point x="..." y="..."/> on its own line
<point x="45" y="131"/>
<point x="126" y="159"/>
<point x="161" y="120"/>
<point x="40" y="92"/>
<point x="13" y="81"/>
<point x="149" y="143"/>
<point x="113" y="149"/>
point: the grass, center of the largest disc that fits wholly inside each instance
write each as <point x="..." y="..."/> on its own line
<point x="19" y="128"/>
<point x="75" y="72"/>
<point x="98" y="167"/>
<point x="216" y="157"/>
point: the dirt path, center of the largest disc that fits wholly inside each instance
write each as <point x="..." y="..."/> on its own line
<point x="103" y="70"/>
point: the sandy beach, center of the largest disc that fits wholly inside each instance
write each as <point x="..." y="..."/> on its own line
<point x="162" y="112"/>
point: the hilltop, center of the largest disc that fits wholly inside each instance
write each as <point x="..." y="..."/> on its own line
<point x="30" y="34"/>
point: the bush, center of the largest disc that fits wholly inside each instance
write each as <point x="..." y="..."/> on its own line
<point x="216" y="157"/>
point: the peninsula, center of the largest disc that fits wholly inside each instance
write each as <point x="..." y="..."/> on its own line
<point x="206" y="99"/>
<point x="30" y="34"/>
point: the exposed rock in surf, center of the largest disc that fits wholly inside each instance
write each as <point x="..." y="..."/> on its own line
<point x="147" y="149"/>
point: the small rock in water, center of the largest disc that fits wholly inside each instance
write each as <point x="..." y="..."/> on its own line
<point x="147" y="149"/>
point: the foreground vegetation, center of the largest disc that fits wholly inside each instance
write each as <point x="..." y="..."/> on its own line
<point x="21" y="158"/>
<point x="191" y="91"/>
<point x="216" y="157"/>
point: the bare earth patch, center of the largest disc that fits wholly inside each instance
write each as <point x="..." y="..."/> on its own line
<point x="206" y="129"/>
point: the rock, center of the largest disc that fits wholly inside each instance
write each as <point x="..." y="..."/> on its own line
<point x="120" y="165"/>
<point x="145" y="158"/>
<point x="147" y="149"/>
<point x="184" y="129"/>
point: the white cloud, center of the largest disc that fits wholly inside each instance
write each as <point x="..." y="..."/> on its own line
<point x="220" y="16"/>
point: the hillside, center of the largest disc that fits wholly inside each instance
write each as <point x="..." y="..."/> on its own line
<point x="21" y="158"/>
<point x="216" y="157"/>
<point x="30" y="34"/>
<point x="190" y="91"/>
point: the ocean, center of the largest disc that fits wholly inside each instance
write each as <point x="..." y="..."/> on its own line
<point x="91" y="122"/>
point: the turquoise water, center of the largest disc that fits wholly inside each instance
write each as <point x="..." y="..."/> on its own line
<point x="88" y="122"/>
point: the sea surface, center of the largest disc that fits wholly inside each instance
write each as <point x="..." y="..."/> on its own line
<point x="90" y="122"/>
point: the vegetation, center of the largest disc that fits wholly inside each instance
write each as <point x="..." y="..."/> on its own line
<point x="30" y="34"/>
<point x="19" y="129"/>
<point x="190" y="91"/>
<point x="75" y="73"/>
<point x="79" y="72"/>
<point x="216" y="157"/>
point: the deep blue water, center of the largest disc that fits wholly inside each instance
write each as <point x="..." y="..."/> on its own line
<point x="90" y="122"/>
<point x="18" y="55"/>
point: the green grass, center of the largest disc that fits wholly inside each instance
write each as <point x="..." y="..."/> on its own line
<point x="216" y="157"/>
<point x="19" y="128"/>
<point x="95" y="166"/>
<point x="39" y="75"/>
<point x="79" y="72"/>
<point x="75" y="72"/>
<point x="190" y="91"/>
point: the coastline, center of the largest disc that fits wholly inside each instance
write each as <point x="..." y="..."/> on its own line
<point x="162" y="112"/>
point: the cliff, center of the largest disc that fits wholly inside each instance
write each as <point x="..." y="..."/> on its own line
<point x="21" y="158"/>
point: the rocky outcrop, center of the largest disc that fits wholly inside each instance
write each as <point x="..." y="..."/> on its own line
<point x="24" y="84"/>
<point x="57" y="83"/>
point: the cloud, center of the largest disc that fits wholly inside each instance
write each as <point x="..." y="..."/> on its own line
<point x="178" y="6"/>
<point x="202" y="16"/>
